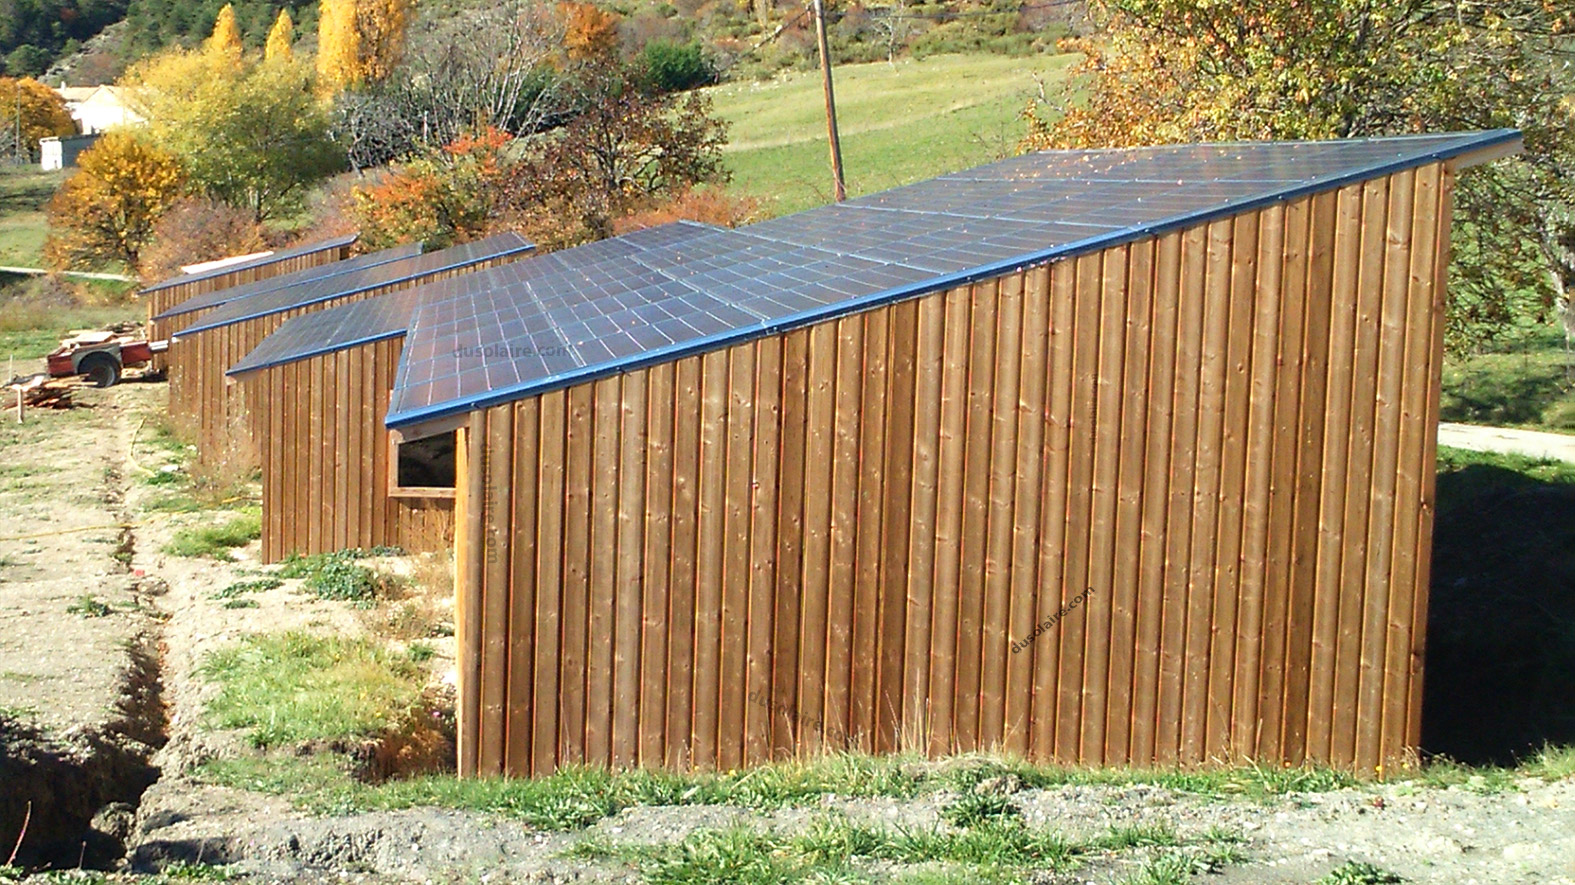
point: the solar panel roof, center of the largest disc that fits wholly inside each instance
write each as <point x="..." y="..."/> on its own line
<point x="345" y="285"/>
<point x="294" y="278"/>
<point x="489" y="346"/>
<point x="293" y="252"/>
<point x="373" y="319"/>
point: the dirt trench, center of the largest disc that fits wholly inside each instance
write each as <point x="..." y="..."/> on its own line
<point x="81" y="708"/>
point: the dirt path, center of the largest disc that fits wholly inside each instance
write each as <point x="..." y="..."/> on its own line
<point x="1508" y="441"/>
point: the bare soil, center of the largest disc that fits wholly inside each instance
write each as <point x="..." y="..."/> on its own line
<point x="70" y="683"/>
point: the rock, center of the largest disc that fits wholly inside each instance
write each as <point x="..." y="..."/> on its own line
<point x="1000" y="785"/>
<point x="115" y="820"/>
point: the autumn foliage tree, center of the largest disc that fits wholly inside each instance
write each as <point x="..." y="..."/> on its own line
<point x="621" y="151"/>
<point x="226" y="36"/>
<point x="249" y="134"/>
<point x="43" y="114"/>
<point x="441" y="197"/>
<point x="360" y="42"/>
<point x="281" y="38"/>
<point x="1203" y="70"/>
<point x="589" y="31"/>
<point x="106" y="211"/>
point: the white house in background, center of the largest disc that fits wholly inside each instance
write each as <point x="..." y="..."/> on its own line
<point x="61" y="153"/>
<point x="97" y="108"/>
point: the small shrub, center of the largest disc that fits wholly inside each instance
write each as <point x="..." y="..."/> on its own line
<point x="88" y="607"/>
<point x="1354" y="872"/>
<point x="971" y="809"/>
<point x="240" y="588"/>
<point x="338" y="576"/>
<point x="419" y="652"/>
<point x="674" y="67"/>
<point x="195" y="230"/>
<point x="216" y="540"/>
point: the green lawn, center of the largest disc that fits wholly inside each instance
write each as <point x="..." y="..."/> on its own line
<point x="899" y="123"/>
<point x="1524" y="384"/>
<point x="23" y="193"/>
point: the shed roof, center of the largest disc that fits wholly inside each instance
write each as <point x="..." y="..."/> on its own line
<point x="491" y="346"/>
<point x="293" y="278"/>
<point x="281" y="255"/>
<point x="388" y="316"/>
<point x="345" y="285"/>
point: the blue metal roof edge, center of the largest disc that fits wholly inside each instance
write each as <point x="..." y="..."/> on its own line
<point x="1488" y="139"/>
<point x="184" y="307"/>
<point x="237" y="370"/>
<point x="196" y="329"/>
<point x="281" y="255"/>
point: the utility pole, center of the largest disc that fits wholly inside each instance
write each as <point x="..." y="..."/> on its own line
<point x="831" y="103"/>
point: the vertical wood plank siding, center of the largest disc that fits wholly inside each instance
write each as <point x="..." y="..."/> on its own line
<point x="223" y="424"/>
<point x="325" y="453"/>
<point x="1202" y="464"/>
<point x="171" y="296"/>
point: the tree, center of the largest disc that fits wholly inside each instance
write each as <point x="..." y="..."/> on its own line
<point x="106" y="211"/>
<point x="226" y="36"/>
<point x="480" y="68"/>
<point x="1201" y="70"/>
<point x="439" y="198"/>
<point x="589" y="31"/>
<point x="42" y="114"/>
<point x="620" y="151"/>
<point x="281" y="38"/>
<point x="251" y="135"/>
<point x="27" y="60"/>
<point x="360" y="41"/>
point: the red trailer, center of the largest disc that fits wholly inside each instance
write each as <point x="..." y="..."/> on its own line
<point x="101" y="356"/>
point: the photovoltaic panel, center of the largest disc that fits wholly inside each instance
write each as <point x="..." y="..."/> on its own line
<point x="282" y="255"/>
<point x="596" y="315"/>
<point x="360" y="322"/>
<point x="346" y="285"/>
<point x="294" y="278"/>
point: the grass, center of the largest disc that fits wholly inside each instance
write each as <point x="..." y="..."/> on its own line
<point x="23" y="193"/>
<point x="898" y="123"/>
<point x="832" y="849"/>
<point x="241" y="588"/>
<point x="1521" y="384"/>
<point x="217" y="540"/>
<point x="288" y="688"/>
<point x="89" y="607"/>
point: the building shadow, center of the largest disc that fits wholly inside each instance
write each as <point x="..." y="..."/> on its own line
<point x="1500" y="669"/>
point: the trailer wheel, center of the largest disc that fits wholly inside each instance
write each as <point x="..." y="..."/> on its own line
<point x="100" y="368"/>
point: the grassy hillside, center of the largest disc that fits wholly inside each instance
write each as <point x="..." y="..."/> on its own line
<point x="23" y="193"/>
<point x="899" y="123"/>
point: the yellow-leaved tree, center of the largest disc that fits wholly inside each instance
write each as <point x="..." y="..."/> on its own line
<point x="43" y="114"/>
<point x="249" y="134"/>
<point x="359" y="41"/>
<point x="280" y="38"/>
<point x="226" y="35"/>
<point x="105" y="212"/>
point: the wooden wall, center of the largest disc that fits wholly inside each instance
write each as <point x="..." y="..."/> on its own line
<point x="1204" y="461"/>
<point x="163" y="299"/>
<point x="324" y="454"/>
<point x="215" y="407"/>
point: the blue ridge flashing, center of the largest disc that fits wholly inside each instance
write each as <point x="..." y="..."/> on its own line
<point x="1449" y="146"/>
<point x="462" y="259"/>
<point x="280" y="255"/>
<point x="305" y="276"/>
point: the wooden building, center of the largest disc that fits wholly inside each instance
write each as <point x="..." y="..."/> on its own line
<point x="1113" y="457"/>
<point x="180" y="362"/>
<point x="331" y="477"/>
<point x="164" y="295"/>
<point x="223" y="429"/>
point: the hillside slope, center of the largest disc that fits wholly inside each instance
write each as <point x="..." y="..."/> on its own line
<point x="899" y="123"/>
